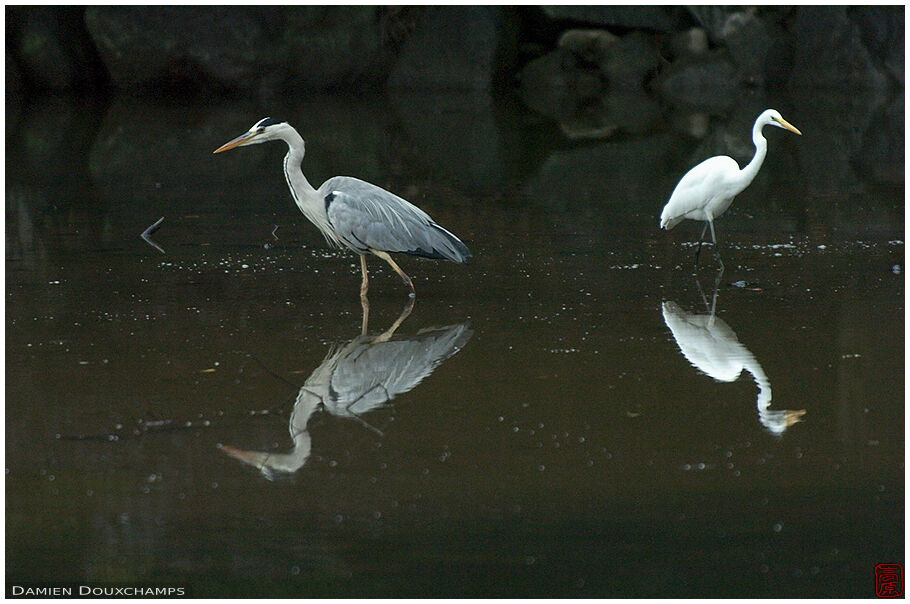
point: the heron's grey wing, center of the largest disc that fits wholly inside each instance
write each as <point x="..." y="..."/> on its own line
<point x="372" y="373"/>
<point x="367" y="217"/>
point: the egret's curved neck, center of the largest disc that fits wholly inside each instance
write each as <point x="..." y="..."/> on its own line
<point x="751" y="365"/>
<point x="761" y="148"/>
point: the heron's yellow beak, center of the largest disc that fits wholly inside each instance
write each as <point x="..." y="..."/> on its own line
<point x="783" y="124"/>
<point x="237" y="142"/>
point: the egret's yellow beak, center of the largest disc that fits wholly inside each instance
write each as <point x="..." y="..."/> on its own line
<point x="783" y="124"/>
<point x="243" y="139"/>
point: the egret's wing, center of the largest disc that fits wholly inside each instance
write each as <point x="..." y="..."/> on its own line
<point x="699" y="187"/>
<point x="707" y="342"/>
<point x="368" y="217"/>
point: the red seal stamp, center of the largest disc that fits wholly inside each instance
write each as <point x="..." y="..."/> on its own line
<point x="889" y="580"/>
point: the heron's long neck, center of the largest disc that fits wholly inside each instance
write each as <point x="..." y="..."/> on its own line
<point x="303" y="192"/>
<point x="761" y="148"/>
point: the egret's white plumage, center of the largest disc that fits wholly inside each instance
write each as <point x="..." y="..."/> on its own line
<point x="355" y="214"/>
<point x="708" y="189"/>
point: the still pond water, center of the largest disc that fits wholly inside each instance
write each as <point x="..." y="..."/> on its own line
<point x="565" y="416"/>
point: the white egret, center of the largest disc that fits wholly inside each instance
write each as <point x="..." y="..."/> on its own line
<point x="708" y="189"/>
<point x="355" y="214"/>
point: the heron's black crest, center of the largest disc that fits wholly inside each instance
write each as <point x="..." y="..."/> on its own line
<point x="267" y="122"/>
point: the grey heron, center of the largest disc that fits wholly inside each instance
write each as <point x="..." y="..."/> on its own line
<point x="355" y="214"/>
<point x="708" y="189"/>
<point x="356" y="378"/>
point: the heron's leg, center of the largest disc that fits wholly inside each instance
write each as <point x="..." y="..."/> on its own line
<point x="397" y="269"/>
<point x="365" y="305"/>
<point x="364" y="302"/>
<point x="714" y="241"/>
<point x="388" y="333"/>
<point x="701" y="239"/>
<point x="365" y="284"/>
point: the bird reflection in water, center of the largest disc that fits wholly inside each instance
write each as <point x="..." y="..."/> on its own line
<point x="356" y="378"/>
<point x="712" y="347"/>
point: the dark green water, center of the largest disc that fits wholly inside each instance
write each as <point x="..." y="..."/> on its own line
<point x="566" y="419"/>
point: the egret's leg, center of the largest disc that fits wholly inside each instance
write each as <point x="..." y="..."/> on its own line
<point x="701" y="239"/>
<point x="398" y="270"/>
<point x="714" y="241"/>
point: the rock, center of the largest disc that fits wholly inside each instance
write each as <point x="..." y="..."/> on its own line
<point x="15" y="90"/>
<point x="654" y="18"/>
<point x="456" y="47"/>
<point x="882" y="32"/>
<point x="236" y="47"/>
<point x="630" y="61"/>
<point x="589" y="45"/>
<point x="553" y="70"/>
<point x="712" y="19"/>
<point x="328" y="47"/>
<point x="633" y="112"/>
<point x="615" y="173"/>
<point x="710" y="83"/>
<point x="880" y="154"/>
<point x="453" y="135"/>
<point x="590" y="121"/>
<point x="690" y="42"/>
<point x="748" y="40"/>
<point x="830" y="52"/>
<point x="629" y="112"/>
<point x="52" y="47"/>
<point x="555" y="86"/>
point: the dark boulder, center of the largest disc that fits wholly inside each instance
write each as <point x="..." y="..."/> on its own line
<point x="52" y="48"/>
<point x="237" y="47"/>
<point x="830" y="51"/>
<point x="710" y="82"/>
<point x="456" y="47"/>
<point x="630" y="61"/>
<point x="653" y="18"/>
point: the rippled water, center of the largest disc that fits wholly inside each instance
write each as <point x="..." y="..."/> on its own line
<point x="575" y="413"/>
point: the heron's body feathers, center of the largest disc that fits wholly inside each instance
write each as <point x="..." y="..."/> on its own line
<point x="366" y="217"/>
<point x="355" y="214"/>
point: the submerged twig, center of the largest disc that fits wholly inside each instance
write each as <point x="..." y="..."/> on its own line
<point x="146" y="234"/>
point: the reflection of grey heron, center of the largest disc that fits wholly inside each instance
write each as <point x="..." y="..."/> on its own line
<point x="356" y="378"/>
<point x="708" y="189"/>
<point x="355" y="214"/>
<point x="712" y="347"/>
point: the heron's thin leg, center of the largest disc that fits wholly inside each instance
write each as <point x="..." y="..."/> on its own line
<point x="387" y="334"/>
<point x="714" y="241"/>
<point x="364" y="302"/>
<point x="365" y="306"/>
<point x="365" y="284"/>
<point x="700" y="241"/>
<point x="397" y="269"/>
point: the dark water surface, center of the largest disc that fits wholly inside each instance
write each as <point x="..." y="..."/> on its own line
<point x="562" y="417"/>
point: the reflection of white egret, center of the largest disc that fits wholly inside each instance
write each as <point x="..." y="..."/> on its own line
<point x="356" y="378"/>
<point x="708" y="189"/>
<point x="712" y="347"/>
